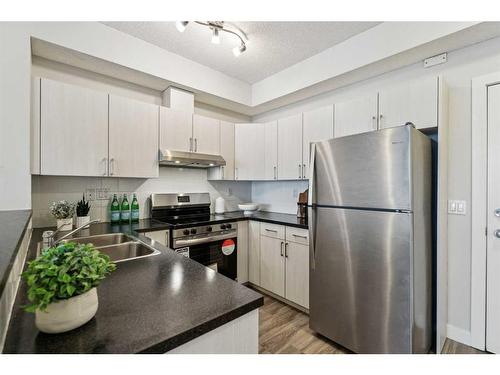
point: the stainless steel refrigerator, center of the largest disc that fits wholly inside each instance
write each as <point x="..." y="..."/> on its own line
<point x="370" y="240"/>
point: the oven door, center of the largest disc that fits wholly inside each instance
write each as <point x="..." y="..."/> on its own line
<point x="220" y="255"/>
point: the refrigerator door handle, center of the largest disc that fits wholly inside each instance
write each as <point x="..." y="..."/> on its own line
<point x="312" y="209"/>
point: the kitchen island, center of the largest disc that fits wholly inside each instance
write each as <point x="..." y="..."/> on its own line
<point x="156" y="304"/>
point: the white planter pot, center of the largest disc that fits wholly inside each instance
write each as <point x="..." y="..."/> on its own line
<point x="82" y="220"/>
<point x="65" y="315"/>
<point x="65" y="224"/>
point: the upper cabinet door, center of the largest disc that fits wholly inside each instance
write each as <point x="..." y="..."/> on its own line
<point x="74" y="130"/>
<point x="249" y="151"/>
<point x="414" y="101"/>
<point x="227" y="149"/>
<point x="355" y="116"/>
<point x="290" y="148"/>
<point x="176" y="130"/>
<point x="133" y="138"/>
<point x="317" y="126"/>
<point x="206" y="134"/>
<point x="271" y="150"/>
<point x="35" y="125"/>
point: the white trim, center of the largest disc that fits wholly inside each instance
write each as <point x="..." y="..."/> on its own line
<point x="478" y="207"/>
<point x="459" y="334"/>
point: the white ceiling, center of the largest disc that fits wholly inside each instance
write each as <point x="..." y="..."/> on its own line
<point x="271" y="47"/>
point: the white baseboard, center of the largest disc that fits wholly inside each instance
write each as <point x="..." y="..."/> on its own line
<point x="458" y="334"/>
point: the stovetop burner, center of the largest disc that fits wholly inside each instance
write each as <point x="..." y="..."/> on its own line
<point x="181" y="209"/>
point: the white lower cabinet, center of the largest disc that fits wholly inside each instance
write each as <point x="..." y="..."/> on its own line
<point x="254" y="252"/>
<point x="284" y="262"/>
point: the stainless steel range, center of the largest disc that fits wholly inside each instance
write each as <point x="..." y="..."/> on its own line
<point x="195" y="233"/>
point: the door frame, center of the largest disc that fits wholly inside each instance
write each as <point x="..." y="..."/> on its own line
<point x="479" y="202"/>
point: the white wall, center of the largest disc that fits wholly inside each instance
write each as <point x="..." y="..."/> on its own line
<point x="461" y="67"/>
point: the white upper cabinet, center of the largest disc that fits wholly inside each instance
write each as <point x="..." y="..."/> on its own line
<point x="176" y="130"/>
<point x="413" y="101"/>
<point x="74" y="130"/>
<point x="271" y="150"/>
<point x="317" y="126"/>
<point x="355" y="116"/>
<point x="35" y="125"/>
<point x="290" y="148"/>
<point x="206" y="135"/>
<point x="133" y="138"/>
<point x="227" y="152"/>
<point x="249" y="155"/>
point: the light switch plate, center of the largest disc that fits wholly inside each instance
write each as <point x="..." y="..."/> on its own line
<point x="102" y="193"/>
<point x="457" y="207"/>
<point x="90" y="194"/>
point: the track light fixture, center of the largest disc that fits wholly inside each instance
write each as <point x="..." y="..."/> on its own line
<point x="216" y="27"/>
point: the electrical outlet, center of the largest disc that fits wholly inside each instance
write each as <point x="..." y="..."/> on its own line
<point x="102" y="194"/>
<point x="457" y="207"/>
<point x="90" y="194"/>
<point x="229" y="191"/>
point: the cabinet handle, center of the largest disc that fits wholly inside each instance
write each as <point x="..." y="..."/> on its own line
<point x="374" y="122"/>
<point x="105" y="163"/>
<point x="271" y="230"/>
<point x="222" y="172"/>
<point x="286" y="250"/>
<point x="235" y="173"/>
<point x="275" y="172"/>
<point x="281" y="248"/>
<point x="303" y="171"/>
<point x="190" y="144"/>
<point x="298" y="236"/>
<point x="111" y="166"/>
<point x="195" y="144"/>
<point x="300" y="170"/>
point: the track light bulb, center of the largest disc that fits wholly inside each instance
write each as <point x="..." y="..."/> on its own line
<point x="181" y="25"/>
<point x="238" y="50"/>
<point x="215" y="36"/>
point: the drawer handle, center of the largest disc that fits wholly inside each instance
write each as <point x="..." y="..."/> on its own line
<point x="296" y="235"/>
<point x="271" y="230"/>
<point x="281" y="248"/>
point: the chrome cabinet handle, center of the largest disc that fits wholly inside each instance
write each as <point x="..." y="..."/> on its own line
<point x="235" y="173"/>
<point x="300" y="170"/>
<point x="303" y="171"/>
<point x="111" y="166"/>
<point x="105" y="163"/>
<point x="195" y="144"/>
<point x="286" y="250"/>
<point x="275" y="172"/>
<point x="496" y="233"/>
<point x="190" y="144"/>
<point x="281" y="248"/>
<point x="374" y="122"/>
<point x="271" y="230"/>
<point x="222" y="172"/>
<point x="298" y="236"/>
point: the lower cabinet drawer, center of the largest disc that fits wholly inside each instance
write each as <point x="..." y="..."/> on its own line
<point x="272" y="230"/>
<point x="297" y="235"/>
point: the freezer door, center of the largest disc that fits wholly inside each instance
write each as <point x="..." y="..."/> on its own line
<point x="369" y="170"/>
<point x="360" y="279"/>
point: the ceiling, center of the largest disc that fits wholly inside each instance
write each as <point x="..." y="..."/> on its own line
<point x="271" y="46"/>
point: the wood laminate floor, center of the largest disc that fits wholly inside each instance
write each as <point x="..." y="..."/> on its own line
<point x="285" y="330"/>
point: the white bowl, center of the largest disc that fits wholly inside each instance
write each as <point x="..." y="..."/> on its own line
<point x="248" y="208"/>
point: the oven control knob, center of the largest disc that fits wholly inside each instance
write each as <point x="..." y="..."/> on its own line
<point x="193" y="231"/>
<point x="228" y="226"/>
<point x="209" y="229"/>
<point x="185" y="232"/>
<point x="223" y="226"/>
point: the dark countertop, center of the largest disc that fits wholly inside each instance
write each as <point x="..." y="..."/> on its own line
<point x="263" y="216"/>
<point x="13" y="226"/>
<point x="148" y="305"/>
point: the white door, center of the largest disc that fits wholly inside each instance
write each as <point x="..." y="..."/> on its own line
<point x="254" y="252"/>
<point x="290" y="148"/>
<point x="249" y="156"/>
<point x="133" y="138"/>
<point x="413" y="101"/>
<point x="317" y="126"/>
<point x="176" y="130"/>
<point x="493" y="240"/>
<point x="206" y="134"/>
<point x="272" y="265"/>
<point x="297" y="273"/>
<point x="74" y="130"/>
<point x="271" y="150"/>
<point x="355" y="116"/>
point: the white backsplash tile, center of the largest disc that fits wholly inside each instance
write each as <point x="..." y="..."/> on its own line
<point x="278" y="196"/>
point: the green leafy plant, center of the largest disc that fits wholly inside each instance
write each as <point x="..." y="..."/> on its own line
<point x="62" y="209"/>
<point x="82" y="207"/>
<point x="63" y="272"/>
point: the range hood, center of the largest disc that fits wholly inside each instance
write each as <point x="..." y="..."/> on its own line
<point x="170" y="158"/>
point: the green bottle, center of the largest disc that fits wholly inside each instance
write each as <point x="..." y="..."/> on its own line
<point x="125" y="210"/>
<point x="135" y="209"/>
<point x="115" y="210"/>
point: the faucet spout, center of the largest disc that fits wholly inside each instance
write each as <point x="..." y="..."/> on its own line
<point x="53" y="243"/>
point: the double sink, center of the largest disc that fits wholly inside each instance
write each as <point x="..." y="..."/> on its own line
<point x="120" y="247"/>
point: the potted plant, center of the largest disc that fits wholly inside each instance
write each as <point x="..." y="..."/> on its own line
<point x="63" y="211"/>
<point x="82" y="212"/>
<point x="62" y="285"/>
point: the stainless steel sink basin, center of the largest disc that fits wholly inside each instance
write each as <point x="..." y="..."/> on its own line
<point x="118" y="246"/>
<point x="102" y="239"/>
<point x="128" y="251"/>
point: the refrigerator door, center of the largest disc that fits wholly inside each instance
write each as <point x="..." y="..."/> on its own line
<point x="360" y="293"/>
<point x="370" y="170"/>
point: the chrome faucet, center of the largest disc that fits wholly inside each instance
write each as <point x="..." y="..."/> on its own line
<point x="50" y="236"/>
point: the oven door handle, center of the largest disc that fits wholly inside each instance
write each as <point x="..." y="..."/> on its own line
<point x="196" y="241"/>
